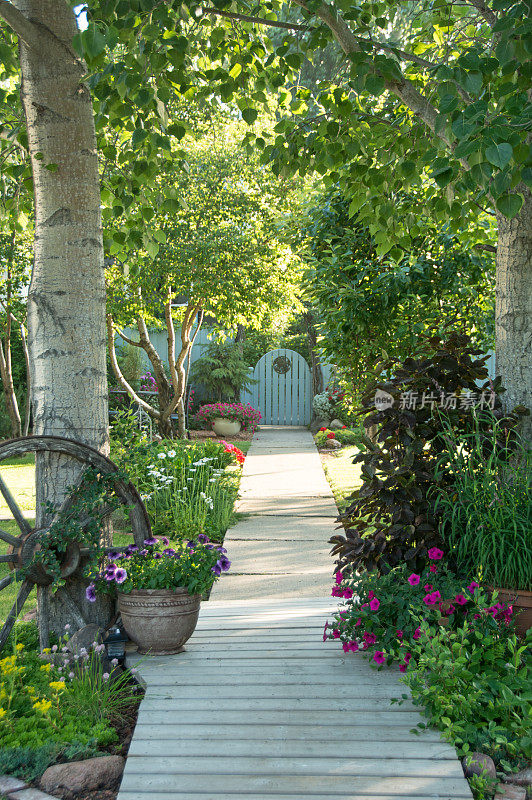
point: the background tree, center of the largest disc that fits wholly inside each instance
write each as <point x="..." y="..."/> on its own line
<point x="219" y="249"/>
<point x="371" y="309"/>
<point x="222" y="371"/>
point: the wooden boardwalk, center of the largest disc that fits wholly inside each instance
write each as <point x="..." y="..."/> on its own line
<point x="259" y="708"/>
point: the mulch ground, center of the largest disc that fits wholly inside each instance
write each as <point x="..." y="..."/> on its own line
<point x="243" y="436"/>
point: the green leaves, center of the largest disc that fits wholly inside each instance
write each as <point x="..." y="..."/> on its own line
<point x="510" y="204"/>
<point x="90" y="42"/>
<point x="250" y="115"/>
<point x="499" y="155"/>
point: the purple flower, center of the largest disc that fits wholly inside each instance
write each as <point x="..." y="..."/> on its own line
<point x="143" y="553"/>
<point x="209" y="547"/>
<point x="217" y="569"/>
<point x="165" y="540"/>
<point x="114" y="554"/>
<point x="221" y="549"/>
<point x="157" y="555"/>
<point x="150" y="541"/>
<point x="90" y="593"/>
<point x="120" y="575"/>
<point x="203" y="538"/>
<point x="131" y="548"/>
<point x="168" y="552"/>
<point x="224" y="563"/>
<point x="190" y="543"/>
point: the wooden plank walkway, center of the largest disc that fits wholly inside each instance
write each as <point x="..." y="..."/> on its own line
<point x="259" y="708"/>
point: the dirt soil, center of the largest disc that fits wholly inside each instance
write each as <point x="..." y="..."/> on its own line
<point x="243" y="436"/>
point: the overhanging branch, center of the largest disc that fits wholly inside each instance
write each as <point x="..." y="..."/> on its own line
<point x="272" y="23"/>
<point x="25" y="30"/>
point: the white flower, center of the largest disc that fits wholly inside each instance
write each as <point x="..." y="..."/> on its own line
<point x="171" y="454"/>
<point x="212" y="480"/>
<point x="203" y="495"/>
<point x="161" y="455"/>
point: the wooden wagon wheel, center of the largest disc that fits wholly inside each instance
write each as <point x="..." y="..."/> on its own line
<point x="22" y="548"/>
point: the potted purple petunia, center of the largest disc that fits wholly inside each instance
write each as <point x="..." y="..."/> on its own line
<point x="159" y="589"/>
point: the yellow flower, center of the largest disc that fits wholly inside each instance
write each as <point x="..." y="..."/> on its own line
<point x="57" y="686"/>
<point x="30" y="689"/>
<point x="43" y="706"/>
<point x="19" y="647"/>
<point x="46" y="667"/>
<point x="47" y="649"/>
<point x="3" y="713"/>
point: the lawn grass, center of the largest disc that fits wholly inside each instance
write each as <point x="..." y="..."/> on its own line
<point x="19" y="475"/>
<point x="8" y="595"/>
<point x="342" y="474"/>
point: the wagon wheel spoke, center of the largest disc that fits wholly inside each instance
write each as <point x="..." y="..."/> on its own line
<point x="23" y="524"/>
<point x="22" y="596"/>
<point x="7" y="537"/>
<point x="7" y="580"/>
<point x="7" y="558"/>
<point x="72" y="608"/>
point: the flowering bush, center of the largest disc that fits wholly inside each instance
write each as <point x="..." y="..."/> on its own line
<point x="322" y="407"/>
<point x="235" y="451"/>
<point x="185" y="487"/>
<point x="248" y="416"/>
<point x="384" y="614"/>
<point x="345" y="436"/>
<point x="192" y="565"/>
<point x="63" y="702"/>
<point x="148" y="383"/>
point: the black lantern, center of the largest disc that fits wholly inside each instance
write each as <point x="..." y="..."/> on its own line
<point x="115" y="644"/>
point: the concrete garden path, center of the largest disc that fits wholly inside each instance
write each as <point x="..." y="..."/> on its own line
<point x="258" y="707"/>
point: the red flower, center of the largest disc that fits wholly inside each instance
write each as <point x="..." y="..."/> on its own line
<point x="323" y="429"/>
<point x="331" y="435"/>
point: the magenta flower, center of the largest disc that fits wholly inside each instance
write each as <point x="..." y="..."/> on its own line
<point x="402" y="667"/>
<point x="374" y="605"/>
<point x="338" y="577"/>
<point x="473" y="585"/>
<point x="428" y="587"/>
<point x="358" y="622"/>
<point x="414" y="579"/>
<point x="325" y="631"/>
<point x="429" y="600"/>
<point x="379" y="657"/>
<point x="433" y="568"/>
<point x="399" y="634"/>
<point x="345" y="647"/>
<point x="417" y="634"/>
<point x="348" y="594"/>
<point x="336" y="633"/>
<point x="371" y="595"/>
<point x="369" y="638"/>
<point x="435" y="554"/>
<point x="436" y="595"/>
<point x="460" y="599"/>
<point x="353" y="646"/>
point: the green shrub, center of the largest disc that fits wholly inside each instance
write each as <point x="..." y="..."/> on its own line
<point x="474" y="686"/>
<point x="29" y="763"/>
<point x="222" y="370"/>
<point x="346" y="436"/>
<point x="487" y="519"/>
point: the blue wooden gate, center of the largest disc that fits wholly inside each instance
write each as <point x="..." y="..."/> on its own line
<point x="283" y="392"/>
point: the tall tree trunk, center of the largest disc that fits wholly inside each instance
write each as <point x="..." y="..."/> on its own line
<point x="66" y="300"/>
<point x="513" y="315"/>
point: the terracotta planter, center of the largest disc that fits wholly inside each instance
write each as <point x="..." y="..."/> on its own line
<point x="225" y="427"/>
<point x="522" y="605"/>
<point x="159" y="621"/>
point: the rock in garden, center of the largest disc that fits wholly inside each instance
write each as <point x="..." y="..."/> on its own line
<point x="332" y="444"/>
<point x="523" y="778"/>
<point x="336" y="425"/>
<point x="479" y="764"/>
<point x="509" y="791"/>
<point x="65" y="780"/>
<point x="84" y="638"/>
<point x="9" y="784"/>
<point x="318" y="423"/>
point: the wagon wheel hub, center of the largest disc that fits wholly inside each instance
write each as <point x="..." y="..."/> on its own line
<point x="24" y="558"/>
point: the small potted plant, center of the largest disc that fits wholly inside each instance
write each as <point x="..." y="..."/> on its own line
<point x="159" y="589"/>
<point x="227" y="419"/>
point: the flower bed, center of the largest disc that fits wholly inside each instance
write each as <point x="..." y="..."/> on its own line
<point x="346" y="436"/>
<point x="456" y="647"/>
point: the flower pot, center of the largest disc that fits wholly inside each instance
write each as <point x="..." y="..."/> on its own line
<point x="522" y="606"/>
<point x="159" y="621"/>
<point x="225" y="427"/>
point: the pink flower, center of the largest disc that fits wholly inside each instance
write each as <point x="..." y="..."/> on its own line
<point x="436" y="596"/>
<point x="336" y="633"/>
<point x="429" y="600"/>
<point x="417" y="634"/>
<point x="460" y="599"/>
<point x="472" y="586"/>
<point x="369" y="638"/>
<point x="358" y="622"/>
<point x="428" y="587"/>
<point x="371" y="595"/>
<point x="353" y="646"/>
<point x="402" y="667"/>
<point x="325" y="631"/>
<point x="348" y="594"/>
<point x="345" y="647"/>
<point x="435" y="554"/>
<point x="374" y="605"/>
<point x="338" y="577"/>
<point x="414" y="579"/>
<point x="379" y="657"/>
<point x="399" y="634"/>
<point x="433" y="568"/>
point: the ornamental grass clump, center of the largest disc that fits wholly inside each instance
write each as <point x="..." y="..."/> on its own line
<point x="248" y="416"/>
<point x="193" y="565"/>
<point x="384" y="614"/>
<point x="486" y="522"/>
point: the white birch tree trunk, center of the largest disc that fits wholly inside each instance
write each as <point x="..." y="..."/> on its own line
<point x="66" y="300"/>
<point x="513" y="314"/>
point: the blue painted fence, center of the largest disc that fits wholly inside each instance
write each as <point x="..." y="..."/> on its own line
<point x="283" y="389"/>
